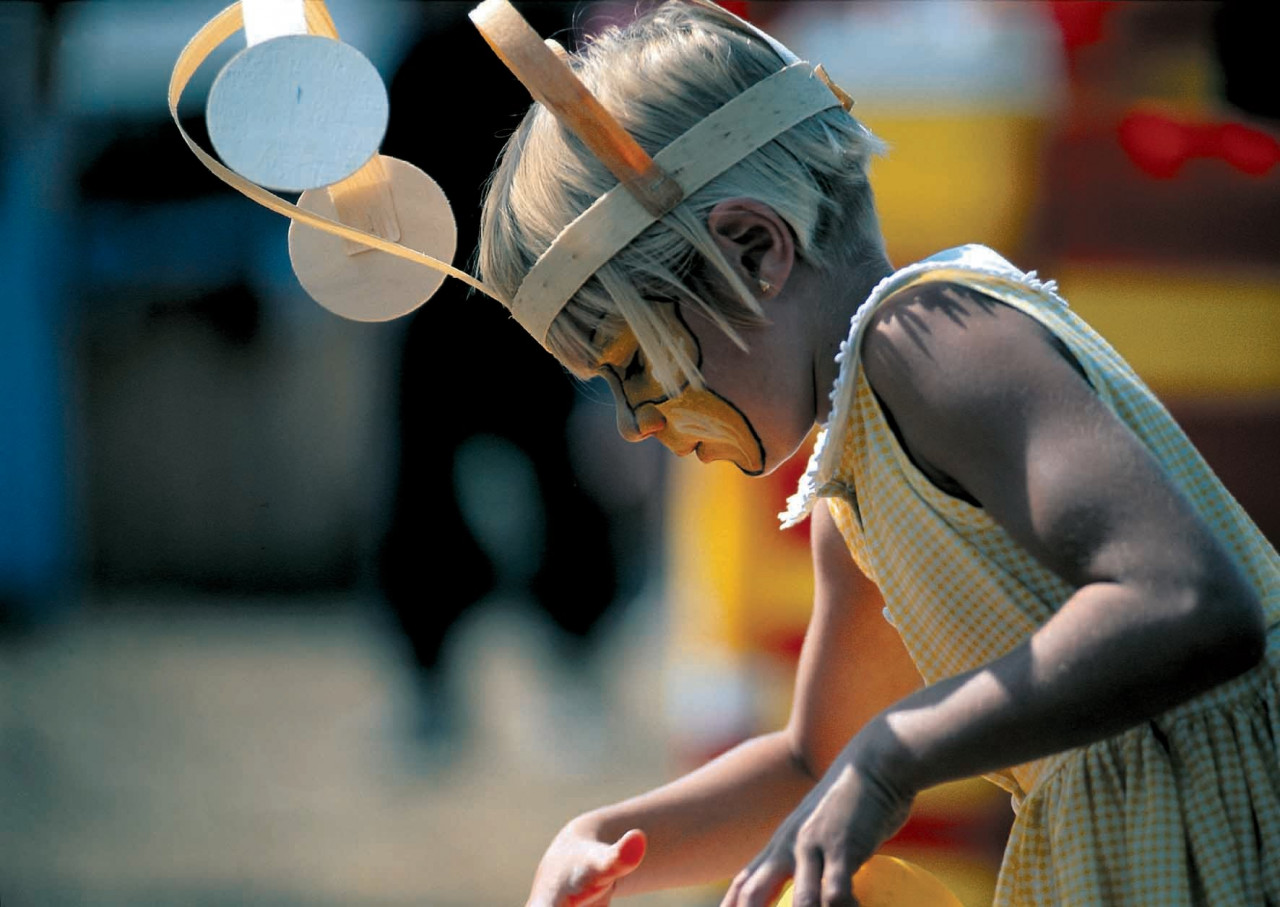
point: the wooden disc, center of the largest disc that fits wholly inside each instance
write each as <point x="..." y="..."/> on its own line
<point x="297" y="112"/>
<point x="372" y="285"/>
<point x="885" y="881"/>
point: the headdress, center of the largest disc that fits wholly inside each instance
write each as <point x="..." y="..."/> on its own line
<point x="337" y="220"/>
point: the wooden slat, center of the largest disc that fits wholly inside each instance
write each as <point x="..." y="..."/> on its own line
<point x="554" y="85"/>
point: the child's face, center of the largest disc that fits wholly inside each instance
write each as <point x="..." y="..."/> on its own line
<point x="727" y="420"/>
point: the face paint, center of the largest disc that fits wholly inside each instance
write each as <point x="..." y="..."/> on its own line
<point x="718" y="429"/>
<point x="695" y="420"/>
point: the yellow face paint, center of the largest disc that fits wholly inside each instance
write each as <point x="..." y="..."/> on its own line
<point x="697" y="421"/>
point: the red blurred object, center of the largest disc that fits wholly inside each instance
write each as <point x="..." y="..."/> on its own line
<point x="975" y="832"/>
<point x="1081" y="23"/>
<point x="783" y="645"/>
<point x="1250" y="150"/>
<point x="782" y="484"/>
<point x="737" y="7"/>
<point x="1160" y="145"/>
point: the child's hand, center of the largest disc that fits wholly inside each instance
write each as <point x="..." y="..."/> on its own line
<point x="835" y="829"/>
<point x="579" y="871"/>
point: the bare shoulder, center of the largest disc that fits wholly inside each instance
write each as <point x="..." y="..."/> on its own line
<point x="986" y="397"/>
<point x="966" y="380"/>
<point x="949" y="342"/>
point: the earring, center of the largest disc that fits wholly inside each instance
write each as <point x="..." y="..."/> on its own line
<point x="765" y="286"/>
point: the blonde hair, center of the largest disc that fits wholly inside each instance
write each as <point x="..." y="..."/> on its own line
<point x="659" y="76"/>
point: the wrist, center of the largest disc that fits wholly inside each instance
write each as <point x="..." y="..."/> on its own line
<point x="885" y="756"/>
<point x="586" y="825"/>
<point x="595" y="826"/>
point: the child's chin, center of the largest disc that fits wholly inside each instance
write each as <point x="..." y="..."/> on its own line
<point x="711" y="453"/>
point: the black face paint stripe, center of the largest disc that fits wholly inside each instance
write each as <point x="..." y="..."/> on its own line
<point x="657" y="401"/>
<point x="751" y="428"/>
<point x="729" y="403"/>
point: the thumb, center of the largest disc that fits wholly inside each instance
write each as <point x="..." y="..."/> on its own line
<point x="618" y="860"/>
<point x="624" y="856"/>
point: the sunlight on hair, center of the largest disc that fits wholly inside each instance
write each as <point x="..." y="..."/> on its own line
<point x="659" y="76"/>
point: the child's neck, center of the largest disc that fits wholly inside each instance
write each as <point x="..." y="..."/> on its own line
<point x="846" y="290"/>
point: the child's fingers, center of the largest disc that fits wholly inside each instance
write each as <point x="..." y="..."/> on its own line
<point x="594" y="896"/>
<point x="731" y="896"/>
<point x="761" y="887"/>
<point x="807" y="885"/>
<point x="837" y="884"/>
<point x="584" y="874"/>
<point x="590" y="894"/>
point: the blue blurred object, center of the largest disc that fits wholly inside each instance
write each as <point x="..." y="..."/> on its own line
<point x="35" y="534"/>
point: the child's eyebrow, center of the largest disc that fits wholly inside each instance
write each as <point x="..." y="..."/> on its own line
<point x="605" y="326"/>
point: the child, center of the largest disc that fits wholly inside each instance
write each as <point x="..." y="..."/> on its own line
<point x="1095" y="618"/>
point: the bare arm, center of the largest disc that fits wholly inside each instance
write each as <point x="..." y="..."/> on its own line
<point x="1161" y="613"/>
<point x="853" y="663"/>
<point x="986" y="403"/>
<point x="703" y="826"/>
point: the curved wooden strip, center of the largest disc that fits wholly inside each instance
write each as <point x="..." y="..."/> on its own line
<point x="554" y="85"/>
<point x="214" y="32"/>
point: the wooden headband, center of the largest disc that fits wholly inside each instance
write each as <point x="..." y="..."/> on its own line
<point x="648" y="187"/>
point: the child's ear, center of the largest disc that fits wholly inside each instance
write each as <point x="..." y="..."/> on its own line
<point x="756" y="241"/>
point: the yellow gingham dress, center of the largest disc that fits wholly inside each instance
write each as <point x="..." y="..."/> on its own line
<point x="1184" y="809"/>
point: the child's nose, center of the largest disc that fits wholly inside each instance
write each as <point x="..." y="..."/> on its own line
<point x="636" y="426"/>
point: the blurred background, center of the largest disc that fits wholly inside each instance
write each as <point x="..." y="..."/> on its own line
<point x="295" y="610"/>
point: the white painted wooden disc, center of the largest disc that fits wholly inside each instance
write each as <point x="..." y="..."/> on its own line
<point x="372" y="285"/>
<point x="297" y="112"/>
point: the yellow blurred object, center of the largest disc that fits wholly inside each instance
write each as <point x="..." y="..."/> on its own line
<point x="885" y="881"/>
<point x="950" y="179"/>
<point x="1186" y="331"/>
<point x="737" y="581"/>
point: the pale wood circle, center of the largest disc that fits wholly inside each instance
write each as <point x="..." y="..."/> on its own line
<point x="372" y="285"/>
<point x="297" y="112"/>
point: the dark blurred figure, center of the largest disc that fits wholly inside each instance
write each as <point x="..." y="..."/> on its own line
<point x="1243" y="37"/>
<point x="470" y="373"/>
